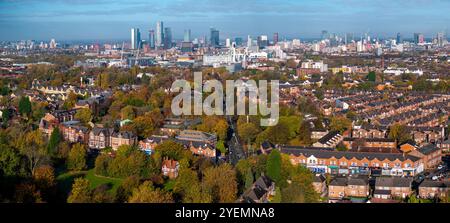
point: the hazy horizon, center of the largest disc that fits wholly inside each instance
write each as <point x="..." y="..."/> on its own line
<point x="72" y="20"/>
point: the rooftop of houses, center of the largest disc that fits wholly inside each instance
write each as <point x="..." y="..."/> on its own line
<point x="98" y="130"/>
<point x="169" y="164"/>
<point x="259" y="188"/>
<point x="433" y="183"/>
<point x="326" y="154"/>
<point x="193" y="135"/>
<point x="393" y="181"/>
<point x="358" y="180"/>
<point x="329" y="136"/>
<point x="370" y="139"/>
<point x="123" y="134"/>
<point x="428" y="149"/>
<point x="319" y="178"/>
<point x="339" y="181"/>
<point x="375" y="150"/>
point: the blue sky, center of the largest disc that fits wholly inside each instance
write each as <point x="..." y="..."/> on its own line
<point x="113" y="19"/>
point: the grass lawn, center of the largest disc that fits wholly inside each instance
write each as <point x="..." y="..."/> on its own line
<point x="99" y="180"/>
<point x="65" y="181"/>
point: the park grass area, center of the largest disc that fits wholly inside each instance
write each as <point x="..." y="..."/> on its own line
<point x="65" y="181"/>
<point x="97" y="180"/>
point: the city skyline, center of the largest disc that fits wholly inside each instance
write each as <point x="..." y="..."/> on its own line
<point x="108" y="20"/>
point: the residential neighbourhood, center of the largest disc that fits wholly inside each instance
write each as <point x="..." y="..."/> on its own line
<point x="162" y="106"/>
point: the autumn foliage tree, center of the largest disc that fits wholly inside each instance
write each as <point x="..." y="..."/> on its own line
<point x="399" y="133"/>
<point x="84" y="115"/>
<point x="189" y="187"/>
<point x="147" y="193"/>
<point x="220" y="183"/>
<point x="33" y="146"/>
<point x="81" y="192"/>
<point x="77" y="157"/>
<point x="53" y="143"/>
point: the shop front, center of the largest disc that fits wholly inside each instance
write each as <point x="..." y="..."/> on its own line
<point x="343" y="171"/>
<point x="333" y="170"/>
<point x="396" y="172"/>
<point x="385" y="172"/>
<point x="317" y="169"/>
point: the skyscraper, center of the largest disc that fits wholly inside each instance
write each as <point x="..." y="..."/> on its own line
<point x="348" y="38"/>
<point x="135" y="38"/>
<point x="249" y="41"/>
<point x="419" y="38"/>
<point x="262" y="41"/>
<point x="275" y="38"/>
<point x="167" y="38"/>
<point x="324" y="35"/>
<point x="214" y="37"/>
<point x="187" y="35"/>
<point x="441" y="39"/>
<point x="151" y="39"/>
<point x="238" y="41"/>
<point x="399" y="38"/>
<point x="159" y="34"/>
<point x="228" y="42"/>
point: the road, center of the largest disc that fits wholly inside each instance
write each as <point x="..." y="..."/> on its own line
<point x="235" y="151"/>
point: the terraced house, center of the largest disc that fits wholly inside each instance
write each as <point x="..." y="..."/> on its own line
<point x="392" y="187"/>
<point x="429" y="189"/>
<point x="100" y="138"/>
<point x="336" y="162"/>
<point x="122" y="138"/>
<point x="341" y="187"/>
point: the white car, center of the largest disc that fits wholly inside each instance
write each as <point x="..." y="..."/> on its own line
<point x="440" y="167"/>
<point x="435" y="178"/>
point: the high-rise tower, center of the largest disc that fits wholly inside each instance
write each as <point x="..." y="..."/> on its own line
<point x="135" y="38"/>
<point x="159" y="39"/>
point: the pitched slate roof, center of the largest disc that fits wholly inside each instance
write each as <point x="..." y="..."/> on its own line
<point x="124" y="135"/>
<point x="328" y="137"/>
<point x="267" y="145"/>
<point x="428" y="149"/>
<point x="319" y="178"/>
<point x="370" y="139"/>
<point x="264" y="182"/>
<point x="106" y="131"/>
<point x="339" y="181"/>
<point x="382" y="192"/>
<point x="326" y="154"/>
<point x="361" y="181"/>
<point x="259" y="188"/>
<point x="432" y="183"/>
<point x="393" y="182"/>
